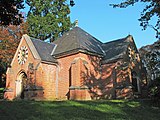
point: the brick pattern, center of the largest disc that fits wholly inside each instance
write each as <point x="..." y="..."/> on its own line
<point x="64" y="76"/>
<point x="16" y="69"/>
<point x="78" y="76"/>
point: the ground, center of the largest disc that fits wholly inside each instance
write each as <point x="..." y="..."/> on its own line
<point x="80" y="110"/>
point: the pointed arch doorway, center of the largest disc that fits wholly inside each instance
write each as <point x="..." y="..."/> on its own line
<point x="21" y="84"/>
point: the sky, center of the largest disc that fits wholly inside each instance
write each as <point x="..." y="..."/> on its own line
<point x="106" y="23"/>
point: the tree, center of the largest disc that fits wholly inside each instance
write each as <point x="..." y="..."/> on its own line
<point x="150" y="55"/>
<point x="154" y="90"/>
<point x="3" y="68"/>
<point x="48" y="19"/>
<point x="9" y="39"/>
<point x="151" y="60"/>
<point x="151" y="9"/>
<point x="9" y="12"/>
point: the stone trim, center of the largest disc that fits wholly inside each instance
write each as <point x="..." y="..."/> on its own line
<point x="32" y="47"/>
<point x="8" y="90"/>
<point x="78" y="88"/>
<point x="33" y="88"/>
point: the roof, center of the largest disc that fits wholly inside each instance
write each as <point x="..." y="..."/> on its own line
<point x="115" y="49"/>
<point x="77" y="40"/>
<point x="44" y="49"/>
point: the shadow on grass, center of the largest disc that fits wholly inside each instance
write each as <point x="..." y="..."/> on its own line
<point x="78" y="110"/>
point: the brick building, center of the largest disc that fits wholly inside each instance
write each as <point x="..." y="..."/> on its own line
<point x="75" y="66"/>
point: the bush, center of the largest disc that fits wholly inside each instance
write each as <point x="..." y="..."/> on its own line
<point x="1" y="93"/>
<point x="154" y="89"/>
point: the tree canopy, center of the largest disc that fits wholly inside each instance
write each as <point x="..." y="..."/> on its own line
<point x="9" y="40"/>
<point x="48" y="19"/>
<point x="152" y="8"/>
<point x="9" y="12"/>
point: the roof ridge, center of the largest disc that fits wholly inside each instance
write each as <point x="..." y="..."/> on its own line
<point x="32" y="46"/>
<point x="78" y="41"/>
<point x="114" y="41"/>
<point x="119" y="39"/>
<point x="94" y="38"/>
<point x="54" y="49"/>
<point x="32" y="38"/>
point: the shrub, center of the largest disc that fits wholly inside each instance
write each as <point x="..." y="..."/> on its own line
<point x="154" y="89"/>
<point x="1" y="93"/>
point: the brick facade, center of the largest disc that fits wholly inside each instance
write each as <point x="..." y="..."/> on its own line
<point x="75" y="76"/>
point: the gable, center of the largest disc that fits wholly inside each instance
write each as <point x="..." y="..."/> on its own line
<point x="31" y="46"/>
<point x="23" y="43"/>
<point x="116" y="49"/>
<point x="23" y="56"/>
<point x="39" y="49"/>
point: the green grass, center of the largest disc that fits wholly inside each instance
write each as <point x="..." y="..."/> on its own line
<point x="79" y="110"/>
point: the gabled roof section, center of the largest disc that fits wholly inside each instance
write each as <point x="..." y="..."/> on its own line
<point x="44" y="49"/>
<point x="116" y="49"/>
<point x="77" y="40"/>
<point x="31" y="46"/>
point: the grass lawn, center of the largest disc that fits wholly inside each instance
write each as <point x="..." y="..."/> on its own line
<point x="79" y="110"/>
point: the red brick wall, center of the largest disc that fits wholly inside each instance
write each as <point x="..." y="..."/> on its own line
<point x="48" y="80"/>
<point x="16" y="69"/>
<point x="118" y="79"/>
<point x="108" y="78"/>
<point x="78" y="76"/>
<point x="73" y="73"/>
<point x="64" y="75"/>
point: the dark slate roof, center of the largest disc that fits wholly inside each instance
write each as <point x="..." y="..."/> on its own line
<point x="44" y="50"/>
<point x="115" y="49"/>
<point x="77" y="40"/>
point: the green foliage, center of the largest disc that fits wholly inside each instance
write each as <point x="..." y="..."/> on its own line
<point x="48" y="19"/>
<point x="152" y="8"/>
<point x="3" y="68"/>
<point x="154" y="89"/>
<point x="151" y="60"/>
<point x="79" y="110"/>
<point x="1" y="93"/>
<point x="9" y="12"/>
<point x="9" y="40"/>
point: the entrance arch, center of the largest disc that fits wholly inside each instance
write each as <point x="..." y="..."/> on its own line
<point x="21" y="84"/>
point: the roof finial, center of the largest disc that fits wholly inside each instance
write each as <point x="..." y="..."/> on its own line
<point x="76" y="23"/>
